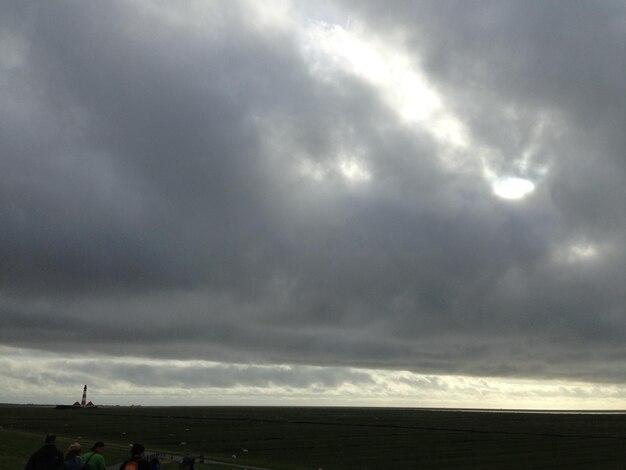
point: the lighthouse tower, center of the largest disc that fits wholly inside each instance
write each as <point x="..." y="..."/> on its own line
<point x="83" y="402"/>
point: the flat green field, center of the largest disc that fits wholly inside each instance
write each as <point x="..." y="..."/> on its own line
<point x="327" y="438"/>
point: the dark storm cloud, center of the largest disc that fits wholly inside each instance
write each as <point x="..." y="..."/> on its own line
<point x="533" y="57"/>
<point x="152" y="189"/>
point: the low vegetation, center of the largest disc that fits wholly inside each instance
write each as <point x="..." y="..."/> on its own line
<point x="327" y="438"/>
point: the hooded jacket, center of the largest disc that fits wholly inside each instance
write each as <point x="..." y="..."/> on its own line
<point x="47" y="457"/>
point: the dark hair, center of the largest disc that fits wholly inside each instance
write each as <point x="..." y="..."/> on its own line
<point x="96" y="445"/>
<point x="137" y="449"/>
<point x="51" y="438"/>
<point x="187" y="461"/>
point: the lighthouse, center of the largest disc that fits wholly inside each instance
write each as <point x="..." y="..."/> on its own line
<point x="83" y="403"/>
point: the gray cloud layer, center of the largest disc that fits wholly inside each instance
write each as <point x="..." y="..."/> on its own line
<point x="152" y="200"/>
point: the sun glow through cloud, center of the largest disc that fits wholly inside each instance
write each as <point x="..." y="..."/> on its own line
<point x="405" y="88"/>
<point x="391" y="70"/>
<point x="513" y="188"/>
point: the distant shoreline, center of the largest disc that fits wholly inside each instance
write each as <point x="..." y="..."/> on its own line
<point x="417" y="408"/>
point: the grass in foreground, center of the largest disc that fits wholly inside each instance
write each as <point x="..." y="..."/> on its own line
<point x="332" y="438"/>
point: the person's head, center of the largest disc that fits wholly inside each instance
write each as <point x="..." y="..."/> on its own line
<point x="98" y="447"/>
<point x="51" y="438"/>
<point x="137" y="450"/>
<point x="74" y="450"/>
<point x="187" y="463"/>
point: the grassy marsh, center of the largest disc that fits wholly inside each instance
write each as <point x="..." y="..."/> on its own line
<point x="328" y="438"/>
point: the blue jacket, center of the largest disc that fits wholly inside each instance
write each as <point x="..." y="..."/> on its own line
<point x="75" y="463"/>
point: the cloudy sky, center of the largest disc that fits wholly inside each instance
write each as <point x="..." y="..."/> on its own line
<point x="346" y="202"/>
